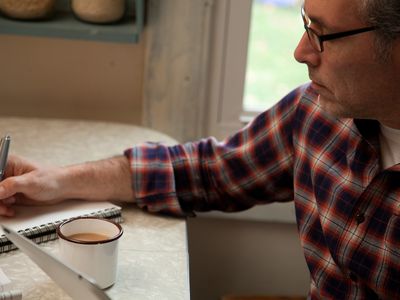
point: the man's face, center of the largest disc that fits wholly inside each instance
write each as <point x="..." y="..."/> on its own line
<point x="350" y="79"/>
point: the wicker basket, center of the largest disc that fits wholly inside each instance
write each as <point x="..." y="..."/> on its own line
<point x="98" y="11"/>
<point x="27" y="9"/>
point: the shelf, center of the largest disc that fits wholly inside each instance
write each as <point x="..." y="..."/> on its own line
<point x="65" y="25"/>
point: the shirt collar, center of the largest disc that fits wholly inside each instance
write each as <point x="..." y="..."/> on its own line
<point x="369" y="130"/>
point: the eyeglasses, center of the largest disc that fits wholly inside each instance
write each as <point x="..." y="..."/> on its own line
<point x="317" y="40"/>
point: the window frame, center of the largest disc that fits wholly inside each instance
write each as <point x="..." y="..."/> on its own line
<point x="228" y="62"/>
<point x="229" y="57"/>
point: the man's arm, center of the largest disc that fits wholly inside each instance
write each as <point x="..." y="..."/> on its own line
<point x="108" y="179"/>
<point x="254" y="166"/>
<point x="27" y="183"/>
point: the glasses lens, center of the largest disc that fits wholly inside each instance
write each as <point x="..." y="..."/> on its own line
<point x="314" y="39"/>
<point x="312" y="36"/>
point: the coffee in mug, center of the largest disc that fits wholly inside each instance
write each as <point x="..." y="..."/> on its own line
<point x="88" y="237"/>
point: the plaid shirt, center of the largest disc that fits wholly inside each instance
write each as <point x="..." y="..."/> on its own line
<point x="347" y="208"/>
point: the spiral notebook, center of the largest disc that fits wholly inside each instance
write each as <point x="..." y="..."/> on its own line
<point x="39" y="223"/>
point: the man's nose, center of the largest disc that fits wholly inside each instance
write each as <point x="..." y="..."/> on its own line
<point x="305" y="53"/>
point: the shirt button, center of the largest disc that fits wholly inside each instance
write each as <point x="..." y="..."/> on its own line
<point x="353" y="277"/>
<point x="360" y="218"/>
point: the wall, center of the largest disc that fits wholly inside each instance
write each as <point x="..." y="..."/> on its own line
<point x="177" y="64"/>
<point x="245" y="258"/>
<point x="42" y="77"/>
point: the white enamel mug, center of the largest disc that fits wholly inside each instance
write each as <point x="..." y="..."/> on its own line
<point x="90" y="245"/>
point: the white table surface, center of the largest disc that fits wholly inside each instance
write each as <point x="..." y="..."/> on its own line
<point x="153" y="255"/>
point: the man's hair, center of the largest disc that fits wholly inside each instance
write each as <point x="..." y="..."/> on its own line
<point x="385" y="16"/>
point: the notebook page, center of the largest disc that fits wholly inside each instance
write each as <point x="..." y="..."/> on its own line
<point x="4" y="280"/>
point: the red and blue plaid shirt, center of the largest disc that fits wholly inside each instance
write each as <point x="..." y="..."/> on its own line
<point x="347" y="207"/>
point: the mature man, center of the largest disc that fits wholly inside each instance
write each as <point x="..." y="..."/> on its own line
<point x="332" y="146"/>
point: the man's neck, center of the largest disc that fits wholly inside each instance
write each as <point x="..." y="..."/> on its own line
<point x="392" y="124"/>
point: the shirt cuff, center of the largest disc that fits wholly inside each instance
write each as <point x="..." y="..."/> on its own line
<point x="152" y="178"/>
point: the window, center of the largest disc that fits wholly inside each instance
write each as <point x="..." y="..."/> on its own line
<point x="272" y="72"/>
<point x="252" y="60"/>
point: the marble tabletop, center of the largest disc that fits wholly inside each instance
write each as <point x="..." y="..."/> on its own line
<point x="153" y="255"/>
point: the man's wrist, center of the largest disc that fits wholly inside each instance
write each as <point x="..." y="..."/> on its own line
<point x="108" y="179"/>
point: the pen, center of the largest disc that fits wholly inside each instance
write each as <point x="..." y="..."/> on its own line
<point x="5" y="145"/>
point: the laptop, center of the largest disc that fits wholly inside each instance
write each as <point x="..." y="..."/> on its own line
<point x="76" y="285"/>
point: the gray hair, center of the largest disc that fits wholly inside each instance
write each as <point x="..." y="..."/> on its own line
<point x="385" y="16"/>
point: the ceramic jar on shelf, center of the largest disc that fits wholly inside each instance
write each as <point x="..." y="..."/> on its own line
<point x="27" y="9"/>
<point x="98" y="11"/>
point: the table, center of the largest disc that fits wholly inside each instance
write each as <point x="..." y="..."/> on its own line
<point x="153" y="254"/>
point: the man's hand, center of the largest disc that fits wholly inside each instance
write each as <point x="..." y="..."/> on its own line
<point x="31" y="184"/>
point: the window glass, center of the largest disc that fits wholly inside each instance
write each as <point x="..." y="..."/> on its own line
<point x="272" y="71"/>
